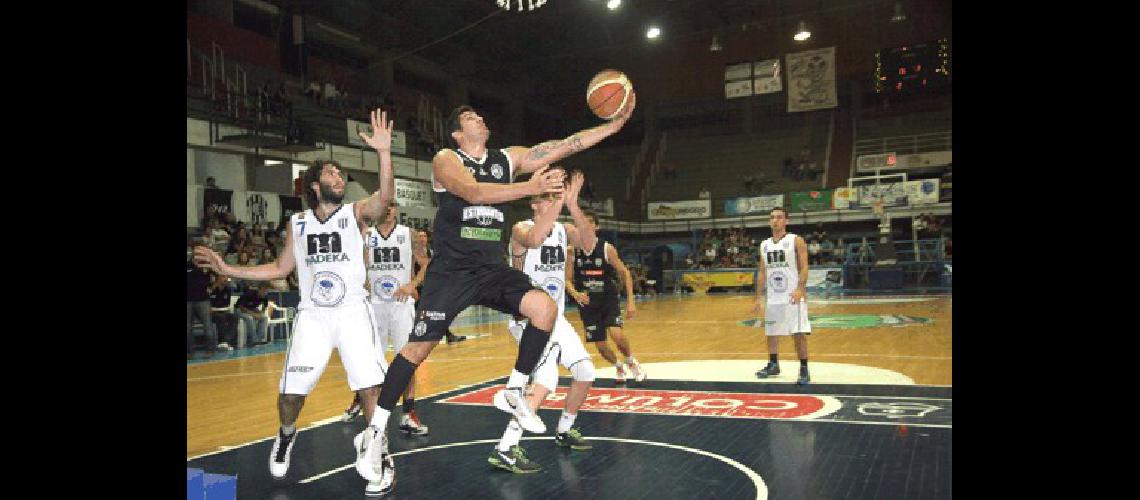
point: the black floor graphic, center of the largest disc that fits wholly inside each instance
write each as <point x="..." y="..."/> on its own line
<point x="873" y="441"/>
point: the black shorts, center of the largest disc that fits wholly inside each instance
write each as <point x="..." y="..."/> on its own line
<point x="603" y="312"/>
<point x="449" y="290"/>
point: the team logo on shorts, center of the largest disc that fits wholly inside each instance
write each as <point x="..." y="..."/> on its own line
<point x="385" y="286"/>
<point x="779" y="282"/>
<point x="420" y="329"/>
<point x="328" y="289"/>
<point x="497" y="171"/>
<point x="553" y="287"/>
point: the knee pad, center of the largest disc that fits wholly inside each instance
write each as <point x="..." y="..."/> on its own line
<point x="583" y="371"/>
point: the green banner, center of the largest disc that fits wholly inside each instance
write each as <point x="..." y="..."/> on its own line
<point x="810" y="201"/>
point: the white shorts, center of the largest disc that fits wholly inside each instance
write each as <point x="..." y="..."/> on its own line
<point x="564" y="347"/>
<point x="786" y="319"/>
<point x="316" y="331"/>
<point x="394" y="321"/>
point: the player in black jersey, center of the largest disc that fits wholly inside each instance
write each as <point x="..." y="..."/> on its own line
<point x="469" y="265"/>
<point x="591" y="279"/>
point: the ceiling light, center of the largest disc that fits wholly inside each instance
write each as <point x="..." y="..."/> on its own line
<point x="653" y="32"/>
<point x="802" y="33"/>
<point x="715" y="45"/>
<point x="613" y="4"/>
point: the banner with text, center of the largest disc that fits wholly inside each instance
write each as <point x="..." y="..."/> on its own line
<point x="217" y="200"/>
<point x="811" y="80"/>
<point x="809" y="201"/>
<point x="685" y="209"/>
<point x="753" y="205"/>
<point x="601" y="208"/>
<point x="891" y="194"/>
<point x="411" y="193"/>
<point x="922" y="191"/>
<point x="844" y="198"/>
<point x="766" y="77"/>
<point x="718" y="278"/>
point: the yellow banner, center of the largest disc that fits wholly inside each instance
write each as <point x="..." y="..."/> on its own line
<point x="724" y="278"/>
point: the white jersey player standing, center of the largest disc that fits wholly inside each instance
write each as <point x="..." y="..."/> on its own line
<point x="325" y="245"/>
<point x="389" y="252"/>
<point x="781" y="294"/>
<point x="539" y="248"/>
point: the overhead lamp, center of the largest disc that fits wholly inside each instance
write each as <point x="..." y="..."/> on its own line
<point x="613" y="4"/>
<point x="802" y="33"/>
<point x="715" y="45"/>
<point x="653" y="32"/>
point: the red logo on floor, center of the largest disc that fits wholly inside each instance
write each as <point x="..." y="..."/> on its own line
<point x="669" y="402"/>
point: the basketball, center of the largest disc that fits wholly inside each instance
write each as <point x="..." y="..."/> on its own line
<point x="608" y="93"/>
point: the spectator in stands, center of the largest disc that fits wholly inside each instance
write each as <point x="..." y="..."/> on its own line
<point x="198" y="302"/>
<point x="704" y="194"/>
<point x="210" y="183"/>
<point x="329" y="94"/>
<point x="813" y="252"/>
<point x="820" y="233"/>
<point x="314" y="91"/>
<point x="250" y="312"/>
<point x="689" y="262"/>
<point x="219" y="238"/>
<point x="222" y="315"/>
<point x="268" y="254"/>
<point x="257" y="236"/>
<point x="239" y="240"/>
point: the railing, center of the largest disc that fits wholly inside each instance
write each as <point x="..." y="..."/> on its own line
<point x="906" y="144"/>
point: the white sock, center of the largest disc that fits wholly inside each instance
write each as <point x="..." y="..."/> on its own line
<point x="511" y="436"/>
<point x="288" y="429"/>
<point x="518" y="380"/>
<point x="380" y="418"/>
<point x="566" y="421"/>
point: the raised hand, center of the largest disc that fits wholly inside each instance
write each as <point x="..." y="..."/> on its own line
<point x="575" y="187"/>
<point x="381" y="139"/>
<point x="545" y="180"/>
<point x="620" y="119"/>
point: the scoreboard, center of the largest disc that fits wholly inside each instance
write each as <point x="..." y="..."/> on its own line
<point x="913" y="69"/>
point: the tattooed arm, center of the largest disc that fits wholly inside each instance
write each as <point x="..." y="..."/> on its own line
<point x="528" y="160"/>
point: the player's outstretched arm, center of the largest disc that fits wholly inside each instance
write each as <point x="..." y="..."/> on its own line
<point x="761" y="282"/>
<point x="374" y="207"/>
<point x="581" y="234"/>
<point x="627" y="280"/>
<point x="535" y="157"/>
<point x="207" y="258"/>
<point x="802" y="267"/>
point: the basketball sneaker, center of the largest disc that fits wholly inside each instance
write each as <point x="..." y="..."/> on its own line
<point x="411" y="424"/>
<point x="572" y="439"/>
<point x="514" y="460"/>
<point x="353" y="410"/>
<point x="772" y="369"/>
<point x="619" y="374"/>
<point x="387" y="480"/>
<point x="282" y="450"/>
<point x="511" y="400"/>
<point x="636" y="372"/>
<point x="370" y="444"/>
<point x="804" y="377"/>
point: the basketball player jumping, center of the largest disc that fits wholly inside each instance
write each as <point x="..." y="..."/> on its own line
<point x="781" y="287"/>
<point x="538" y="247"/>
<point x="326" y="242"/>
<point x="596" y="272"/>
<point x="474" y="184"/>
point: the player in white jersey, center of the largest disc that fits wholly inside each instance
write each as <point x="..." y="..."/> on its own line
<point x="781" y="295"/>
<point x="538" y="248"/>
<point x="325" y="245"/>
<point x="389" y="251"/>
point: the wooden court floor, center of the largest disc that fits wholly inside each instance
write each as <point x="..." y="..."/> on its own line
<point x="234" y="401"/>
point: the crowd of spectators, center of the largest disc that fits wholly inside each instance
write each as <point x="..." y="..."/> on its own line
<point x="724" y="248"/>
